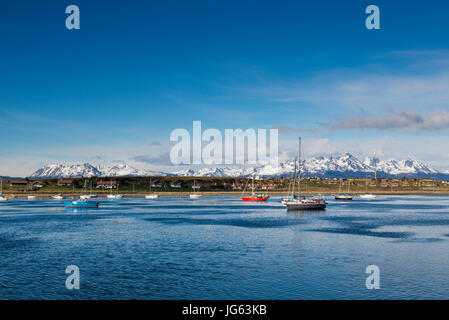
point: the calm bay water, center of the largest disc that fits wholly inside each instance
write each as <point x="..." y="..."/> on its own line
<point x="223" y="248"/>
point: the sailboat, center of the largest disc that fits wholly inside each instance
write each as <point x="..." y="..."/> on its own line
<point x="115" y="195"/>
<point x="195" y="195"/>
<point x="254" y="196"/>
<point x="87" y="196"/>
<point x="342" y="196"/>
<point x="2" y="197"/>
<point x="297" y="201"/>
<point x="367" y="195"/>
<point x="151" y="195"/>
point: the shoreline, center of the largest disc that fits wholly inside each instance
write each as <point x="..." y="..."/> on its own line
<point x="221" y="193"/>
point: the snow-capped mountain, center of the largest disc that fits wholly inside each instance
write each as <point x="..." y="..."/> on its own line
<point x="87" y="170"/>
<point x="66" y="171"/>
<point x="216" y="172"/>
<point x="394" y="167"/>
<point x="333" y="167"/>
<point x="120" y="169"/>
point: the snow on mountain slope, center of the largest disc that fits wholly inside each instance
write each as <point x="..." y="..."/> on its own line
<point x="66" y="170"/>
<point x="87" y="170"/>
<point x="215" y="172"/>
<point x="334" y="166"/>
<point x="120" y="170"/>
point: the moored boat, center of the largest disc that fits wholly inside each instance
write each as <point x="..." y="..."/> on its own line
<point x="254" y="196"/>
<point x="114" y="196"/>
<point x="343" y="197"/>
<point x="297" y="201"/>
<point x="150" y="195"/>
<point x="368" y="195"/>
<point x="3" y="198"/>
<point x="195" y="195"/>
<point x="306" y="204"/>
<point x="57" y="197"/>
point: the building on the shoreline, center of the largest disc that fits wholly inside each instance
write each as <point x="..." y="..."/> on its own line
<point x="64" y="182"/>
<point x="176" y="184"/>
<point x="157" y="184"/>
<point x="107" y="184"/>
<point x="18" y="183"/>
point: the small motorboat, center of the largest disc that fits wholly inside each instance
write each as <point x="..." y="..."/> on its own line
<point x="58" y="197"/>
<point x="343" y="197"/>
<point x="83" y="204"/>
<point x="151" y="196"/>
<point x="11" y="197"/>
<point x="3" y="198"/>
<point x="368" y="195"/>
<point x="114" y="196"/>
<point x="31" y="197"/>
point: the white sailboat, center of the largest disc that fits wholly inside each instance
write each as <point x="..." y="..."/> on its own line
<point x="87" y="196"/>
<point x="115" y="195"/>
<point x="195" y="195"/>
<point x="298" y="202"/>
<point x="151" y="195"/>
<point x="367" y="195"/>
<point x="2" y="197"/>
<point x="342" y="196"/>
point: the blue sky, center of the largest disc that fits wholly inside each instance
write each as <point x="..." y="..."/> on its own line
<point x="136" y="70"/>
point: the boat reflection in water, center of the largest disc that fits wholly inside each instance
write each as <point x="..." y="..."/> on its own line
<point x="81" y="204"/>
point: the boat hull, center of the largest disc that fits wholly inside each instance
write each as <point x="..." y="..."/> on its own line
<point x="114" y="196"/>
<point x="254" y="198"/>
<point x="305" y="206"/>
<point x="3" y="198"/>
<point x="367" y="196"/>
<point x="151" y="196"/>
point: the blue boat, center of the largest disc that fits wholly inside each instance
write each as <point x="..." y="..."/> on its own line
<point x="81" y="204"/>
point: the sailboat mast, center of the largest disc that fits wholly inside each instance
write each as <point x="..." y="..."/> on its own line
<point x="253" y="182"/>
<point x="299" y="167"/>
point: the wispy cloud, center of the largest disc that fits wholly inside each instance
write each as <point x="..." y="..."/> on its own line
<point x="163" y="159"/>
<point x="396" y="119"/>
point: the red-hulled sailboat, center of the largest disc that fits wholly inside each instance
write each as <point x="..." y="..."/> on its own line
<point x="255" y="196"/>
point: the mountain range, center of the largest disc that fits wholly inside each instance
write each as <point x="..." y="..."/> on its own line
<point x="345" y="166"/>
